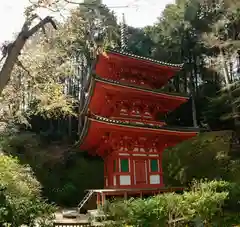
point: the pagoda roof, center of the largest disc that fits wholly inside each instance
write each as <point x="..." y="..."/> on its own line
<point x="148" y="91"/>
<point x="95" y="127"/>
<point x="168" y="101"/>
<point x="163" y="129"/>
<point x="143" y="60"/>
<point x="146" y="72"/>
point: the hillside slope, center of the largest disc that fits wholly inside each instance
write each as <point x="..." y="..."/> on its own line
<point x="65" y="172"/>
<point x="206" y="156"/>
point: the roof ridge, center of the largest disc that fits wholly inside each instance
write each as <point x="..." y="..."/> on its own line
<point x="140" y="88"/>
<point x="143" y="125"/>
<point x="145" y="58"/>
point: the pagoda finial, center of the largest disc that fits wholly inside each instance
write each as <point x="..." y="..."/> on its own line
<point x="123" y="34"/>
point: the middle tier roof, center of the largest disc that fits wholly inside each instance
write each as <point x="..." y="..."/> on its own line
<point x="110" y="98"/>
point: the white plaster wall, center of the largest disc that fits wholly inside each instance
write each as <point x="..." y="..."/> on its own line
<point x="125" y="180"/>
<point x="155" y="179"/>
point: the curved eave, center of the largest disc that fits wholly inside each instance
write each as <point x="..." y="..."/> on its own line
<point x="146" y="60"/>
<point x="154" y="94"/>
<point x="89" y="97"/>
<point x="93" y="126"/>
<point x="174" y="96"/>
<point x="84" y="131"/>
<point x="156" y="128"/>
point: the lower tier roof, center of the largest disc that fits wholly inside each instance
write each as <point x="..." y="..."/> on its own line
<point x="98" y="133"/>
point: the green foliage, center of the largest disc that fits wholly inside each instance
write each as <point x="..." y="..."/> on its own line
<point x="233" y="201"/>
<point x="205" y="156"/>
<point x="194" y="32"/>
<point x="178" y="36"/>
<point x="20" y="195"/>
<point x="63" y="171"/>
<point x="50" y="84"/>
<point x="230" y="209"/>
<point x="201" y="203"/>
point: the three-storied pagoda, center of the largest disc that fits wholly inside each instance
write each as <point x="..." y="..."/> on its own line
<point x="122" y="122"/>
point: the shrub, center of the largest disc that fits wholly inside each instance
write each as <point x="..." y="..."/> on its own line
<point x="20" y="195"/>
<point x="207" y="155"/>
<point x="63" y="171"/>
<point x="201" y="204"/>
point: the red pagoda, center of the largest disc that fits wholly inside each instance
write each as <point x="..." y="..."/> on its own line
<point x="122" y="124"/>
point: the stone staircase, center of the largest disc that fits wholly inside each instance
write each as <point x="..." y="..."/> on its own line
<point x="75" y="212"/>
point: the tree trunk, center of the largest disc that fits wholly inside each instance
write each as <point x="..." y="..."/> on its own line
<point x="69" y="126"/>
<point x="81" y="97"/>
<point x="15" y="50"/>
<point x="11" y="60"/>
<point x="195" y="73"/>
<point x="192" y="90"/>
<point x="194" y="111"/>
<point x="227" y="81"/>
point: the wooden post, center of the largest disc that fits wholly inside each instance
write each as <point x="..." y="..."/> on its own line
<point x="125" y="195"/>
<point x="132" y="172"/>
<point x="98" y="200"/>
<point x="103" y="198"/>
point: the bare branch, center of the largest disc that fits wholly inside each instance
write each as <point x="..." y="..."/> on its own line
<point x="41" y="24"/>
<point x="17" y="46"/>
<point x="92" y="4"/>
<point x="2" y="58"/>
<point x="28" y="22"/>
<point x="19" y="63"/>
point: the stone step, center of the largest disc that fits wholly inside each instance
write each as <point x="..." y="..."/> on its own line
<point x="70" y="213"/>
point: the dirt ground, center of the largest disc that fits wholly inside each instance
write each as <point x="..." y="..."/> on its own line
<point x="81" y="218"/>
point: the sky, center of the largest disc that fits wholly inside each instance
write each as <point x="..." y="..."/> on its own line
<point x="145" y="13"/>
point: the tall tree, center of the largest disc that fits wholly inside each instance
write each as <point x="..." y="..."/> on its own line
<point x="48" y="83"/>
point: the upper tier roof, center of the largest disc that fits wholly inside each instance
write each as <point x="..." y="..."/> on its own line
<point x="104" y="94"/>
<point x="96" y="128"/>
<point x="145" y="60"/>
<point x="130" y="68"/>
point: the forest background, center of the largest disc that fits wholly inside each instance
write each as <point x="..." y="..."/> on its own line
<point x="39" y="104"/>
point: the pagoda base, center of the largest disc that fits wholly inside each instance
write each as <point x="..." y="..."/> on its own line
<point x="104" y="195"/>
